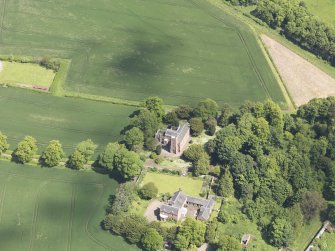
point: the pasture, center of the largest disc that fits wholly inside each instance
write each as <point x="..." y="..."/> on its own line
<point x="29" y="74"/>
<point x="325" y="9"/>
<point x="167" y="183"/>
<point x="181" y="50"/>
<point x="69" y="120"/>
<point x="51" y="209"/>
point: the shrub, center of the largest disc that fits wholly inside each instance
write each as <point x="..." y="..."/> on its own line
<point x="159" y="160"/>
<point x="148" y="191"/>
<point x="153" y="155"/>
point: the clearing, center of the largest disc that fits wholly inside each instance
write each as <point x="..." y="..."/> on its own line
<point x="303" y="80"/>
<point x="325" y="9"/>
<point x="25" y="73"/>
<point x="181" y="50"/>
<point x="52" y="209"/>
<point x="69" y="120"/>
<point x="167" y="183"/>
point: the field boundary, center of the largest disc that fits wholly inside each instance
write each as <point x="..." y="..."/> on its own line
<point x="69" y="234"/>
<point x="2" y="201"/>
<point x="57" y="86"/>
<point x="261" y="27"/>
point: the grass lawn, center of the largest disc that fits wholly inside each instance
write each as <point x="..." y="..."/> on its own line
<point x="325" y="9"/>
<point x="181" y="50"/>
<point x="69" y="120"/>
<point x="170" y="183"/>
<point x="306" y="234"/>
<point x="32" y="74"/>
<point x="327" y="242"/>
<point x="52" y="209"/>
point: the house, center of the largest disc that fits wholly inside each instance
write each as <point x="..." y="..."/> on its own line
<point x="181" y="204"/>
<point x="174" y="140"/>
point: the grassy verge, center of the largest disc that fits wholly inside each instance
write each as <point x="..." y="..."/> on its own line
<point x="57" y="85"/>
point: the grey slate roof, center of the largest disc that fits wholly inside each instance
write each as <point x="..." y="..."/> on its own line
<point x="169" y="209"/>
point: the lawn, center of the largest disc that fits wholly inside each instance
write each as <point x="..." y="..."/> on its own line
<point x="325" y="9"/>
<point x="51" y="209"/>
<point x="181" y="50"/>
<point x="327" y="242"/>
<point x="171" y="183"/>
<point x="69" y="120"/>
<point x="31" y="74"/>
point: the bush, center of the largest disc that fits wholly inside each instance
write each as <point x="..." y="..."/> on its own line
<point x="148" y="191"/>
<point x="159" y="160"/>
<point x="153" y="155"/>
<point x="158" y="149"/>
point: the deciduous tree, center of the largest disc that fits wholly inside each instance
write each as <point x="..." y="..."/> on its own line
<point x="26" y="150"/>
<point x="53" y="154"/>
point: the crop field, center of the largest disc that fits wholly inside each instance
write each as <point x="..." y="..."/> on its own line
<point x="167" y="183"/>
<point x="69" y="120"/>
<point x="31" y="74"/>
<point x="181" y="50"/>
<point x="325" y="9"/>
<point x="51" y="209"/>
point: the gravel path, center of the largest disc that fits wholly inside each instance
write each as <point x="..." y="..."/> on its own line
<point x="303" y="80"/>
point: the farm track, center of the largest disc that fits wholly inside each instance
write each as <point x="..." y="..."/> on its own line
<point x="69" y="235"/>
<point x="35" y="215"/>
<point x="88" y="232"/>
<point x="2" y="200"/>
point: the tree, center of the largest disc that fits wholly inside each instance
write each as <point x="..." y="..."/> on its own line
<point x="201" y="165"/>
<point x="184" y="112"/>
<point x="128" y="163"/>
<point x="226" y="185"/>
<point x="149" y="191"/>
<point x="25" y="150"/>
<point x="53" y="154"/>
<point x="148" y="122"/>
<point x="312" y="203"/>
<point x="155" y="105"/>
<point x="152" y="240"/>
<point x="211" y="126"/>
<point x="3" y="143"/>
<point x="134" y="139"/>
<point x="228" y="243"/>
<point x="331" y="214"/>
<point x="106" y="158"/>
<point x="121" y="201"/>
<point x="133" y="228"/>
<point x="197" y="126"/>
<point x="191" y="232"/>
<point x="171" y="119"/>
<point x="280" y="233"/>
<point x="82" y="154"/>
<point x="194" y="152"/>
<point x="206" y="109"/>
<point x="86" y="148"/>
<point x="76" y="160"/>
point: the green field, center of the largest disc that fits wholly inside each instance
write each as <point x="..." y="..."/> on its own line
<point x="181" y="50"/>
<point x="170" y="183"/>
<point x="69" y="120"/>
<point x="325" y="9"/>
<point x="51" y="209"/>
<point x="31" y="74"/>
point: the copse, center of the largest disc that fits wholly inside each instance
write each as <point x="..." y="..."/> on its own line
<point x="3" y="143"/>
<point x="53" y="154"/>
<point x="25" y="150"/>
<point x="298" y="25"/>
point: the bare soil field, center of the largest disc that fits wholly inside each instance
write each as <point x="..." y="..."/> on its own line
<point x="303" y="80"/>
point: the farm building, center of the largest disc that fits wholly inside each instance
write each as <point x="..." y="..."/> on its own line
<point x="181" y="205"/>
<point x="174" y="140"/>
